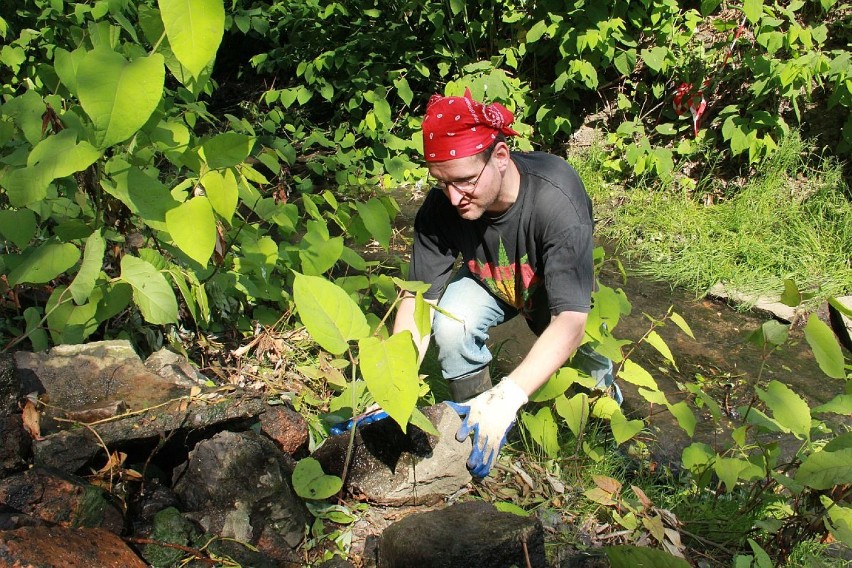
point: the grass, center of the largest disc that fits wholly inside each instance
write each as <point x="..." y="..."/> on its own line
<point x="789" y="220"/>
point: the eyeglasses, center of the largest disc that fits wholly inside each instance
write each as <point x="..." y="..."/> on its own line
<point x="463" y="186"/>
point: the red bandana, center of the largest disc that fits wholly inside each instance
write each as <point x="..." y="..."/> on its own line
<point x="455" y="127"/>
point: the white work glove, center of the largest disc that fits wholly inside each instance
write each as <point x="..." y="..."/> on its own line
<point x="489" y="417"/>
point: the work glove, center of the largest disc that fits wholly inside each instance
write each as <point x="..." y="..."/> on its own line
<point x="372" y="414"/>
<point x="489" y="417"/>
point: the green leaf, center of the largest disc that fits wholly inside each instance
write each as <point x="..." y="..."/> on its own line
<point x="151" y="290"/>
<point x="318" y="253"/>
<point x="543" y="430"/>
<point x="575" y="412"/>
<point x="840" y="404"/>
<point x="633" y="373"/>
<point x="390" y="371"/>
<point x="193" y="228"/>
<point x="330" y="315"/>
<point x="93" y="259"/>
<point x="788" y="409"/>
<point x="762" y="560"/>
<point x="824" y="470"/>
<point x="642" y="557"/>
<point x="194" y="29"/>
<point x="556" y="385"/>
<point x="678" y="320"/>
<point x="221" y="190"/>
<point x="422" y="315"/>
<point x="226" y="150"/>
<point x="377" y="221"/>
<point x="60" y="155"/>
<point x="119" y="96"/>
<point x="685" y="418"/>
<point x="404" y="90"/>
<point x="44" y="263"/>
<point x="506" y="507"/>
<point x="839" y="520"/>
<point x="655" y="57"/>
<point x="697" y="456"/>
<point x="36" y="333"/>
<point x="66" y="63"/>
<point x="753" y="10"/>
<point x="660" y="345"/>
<point x="18" y="226"/>
<point x="419" y="420"/>
<point x="729" y="469"/>
<point x="311" y="482"/>
<point x="25" y="185"/>
<point x="825" y="347"/>
<point x="624" y="429"/>
<point x="791" y="295"/>
<point x="772" y="333"/>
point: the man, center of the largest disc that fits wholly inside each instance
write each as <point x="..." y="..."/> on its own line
<point x="522" y="224"/>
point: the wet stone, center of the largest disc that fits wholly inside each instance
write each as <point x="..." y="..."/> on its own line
<point x="467" y="534"/>
<point x="62" y="499"/>
<point x="237" y="485"/>
<point x="394" y="468"/>
<point x="287" y="428"/>
<point x="66" y="547"/>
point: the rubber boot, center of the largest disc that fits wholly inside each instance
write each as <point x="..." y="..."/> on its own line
<point x="465" y="388"/>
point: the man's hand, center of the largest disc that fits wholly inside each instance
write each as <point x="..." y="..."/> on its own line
<point x="489" y="417"/>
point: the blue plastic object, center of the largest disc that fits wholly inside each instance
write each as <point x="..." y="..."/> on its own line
<point x="347" y="425"/>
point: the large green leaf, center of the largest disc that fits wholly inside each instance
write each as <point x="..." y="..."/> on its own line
<point x="66" y="63"/>
<point x="753" y="9"/>
<point x="119" y="96"/>
<point x="36" y="333"/>
<point x="311" y="482"/>
<point x="824" y="470"/>
<point x="622" y="428"/>
<point x="143" y="194"/>
<point x="788" y="409"/>
<point x="194" y="29"/>
<point x="221" y="190"/>
<point x="93" y="259"/>
<point x="543" y="430"/>
<point x="18" y="226"/>
<point x="839" y="520"/>
<point x="318" y="253"/>
<point x="193" y="228"/>
<point x="658" y="343"/>
<point x="390" y="370"/>
<point x="684" y="416"/>
<point x="825" y="347"/>
<point x="634" y="373"/>
<point x="226" y="150"/>
<point x="61" y="155"/>
<point x="44" y="263"/>
<point x="330" y="315"/>
<point x="575" y="411"/>
<point x="422" y="315"/>
<point x="556" y="385"/>
<point x="376" y="219"/>
<point x="151" y="291"/>
<point x="25" y="185"/>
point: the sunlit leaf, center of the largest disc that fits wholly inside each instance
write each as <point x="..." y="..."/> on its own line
<point x="729" y="469"/>
<point x="36" y="333"/>
<point x="376" y="219"/>
<point x="824" y="470"/>
<point x="635" y="374"/>
<point x="542" y="429"/>
<point x="556" y="385"/>
<point x="788" y="408"/>
<point x="390" y="370"/>
<point x="119" y="96"/>
<point x="227" y="149"/>
<point x="575" y="412"/>
<point x="18" y="226"/>
<point x="194" y="29"/>
<point x="422" y="315"/>
<point x="193" y="228"/>
<point x="311" y="482"/>
<point x="151" y="291"/>
<point x="624" y="429"/>
<point x="660" y="345"/>
<point x="685" y="418"/>
<point x="44" y="263"/>
<point x="825" y="347"/>
<point x="93" y="259"/>
<point x="330" y="315"/>
<point x="678" y="320"/>
<point x="221" y="190"/>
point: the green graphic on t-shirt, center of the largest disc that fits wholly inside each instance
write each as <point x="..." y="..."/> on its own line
<point x="513" y="283"/>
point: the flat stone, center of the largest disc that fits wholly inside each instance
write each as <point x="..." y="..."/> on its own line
<point x="61" y="499"/>
<point x="394" y="468"/>
<point x="175" y="368"/>
<point x="67" y="547"/>
<point x="765" y="304"/>
<point x="238" y="485"/>
<point x="474" y="533"/>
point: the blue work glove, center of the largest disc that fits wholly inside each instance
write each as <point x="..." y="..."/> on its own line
<point x="366" y="418"/>
<point x="489" y="417"/>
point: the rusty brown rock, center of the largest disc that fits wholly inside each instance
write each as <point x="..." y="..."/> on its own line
<point x="61" y="499"/>
<point x="37" y="547"/>
<point x="286" y="427"/>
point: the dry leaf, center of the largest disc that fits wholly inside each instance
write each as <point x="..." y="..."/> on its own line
<point x="31" y="417"/>
<point x="646" y="503"/>
<point x="115" y="460"/>
<point x="608" y="484"/>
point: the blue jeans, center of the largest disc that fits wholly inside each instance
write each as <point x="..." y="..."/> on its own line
<point x="461" y="336"/>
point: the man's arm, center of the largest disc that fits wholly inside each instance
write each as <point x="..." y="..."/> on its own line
<point x="405" y="320"/>
<point x="554" y="346"/>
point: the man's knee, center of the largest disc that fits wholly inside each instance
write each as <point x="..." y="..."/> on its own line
<point x="448" y="332"/>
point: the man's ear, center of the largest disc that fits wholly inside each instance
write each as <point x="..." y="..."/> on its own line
<point x="501" y="154"/>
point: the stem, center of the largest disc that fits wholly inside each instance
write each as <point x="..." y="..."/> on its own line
<point x="351" y="445"/>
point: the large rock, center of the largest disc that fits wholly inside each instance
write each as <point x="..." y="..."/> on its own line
<point x="15" y="444"/>
<point x="238" y="485"/>
<point x="395" y="468"/>
<point x="467" y="534"/>
<point x="10" y="385"/>
<point x="287" y="428"/>
<point x="66" y="547"/>
<point x="60" y="499"/>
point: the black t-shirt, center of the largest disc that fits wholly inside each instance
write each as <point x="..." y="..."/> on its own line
<point x="536" y="256"/>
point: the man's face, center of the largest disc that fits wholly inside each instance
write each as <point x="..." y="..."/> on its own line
<point x="471" y="185"/>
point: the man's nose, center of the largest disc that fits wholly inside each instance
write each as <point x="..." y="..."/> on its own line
<point x="454" y="194"/>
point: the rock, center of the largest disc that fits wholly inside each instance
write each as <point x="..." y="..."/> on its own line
<point x="61" y="499"/>
<point x="70" y="450"/>
<point x="237" y="485"/>
<point x="102" y="377"/>
<point x="10" y="385"/>
<point x="66" y="547"/>
<point x="287" y="428"/>
<point x="175" y="368"/>
<point x="467" y="534"/>
<point x="336" y="562"/>
<point x="15" y="444"/>
<point x="394" y="468"/>
<point x="765" y="304"/>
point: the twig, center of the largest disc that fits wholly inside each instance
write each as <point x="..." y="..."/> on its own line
<point x="526" y="554"/>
